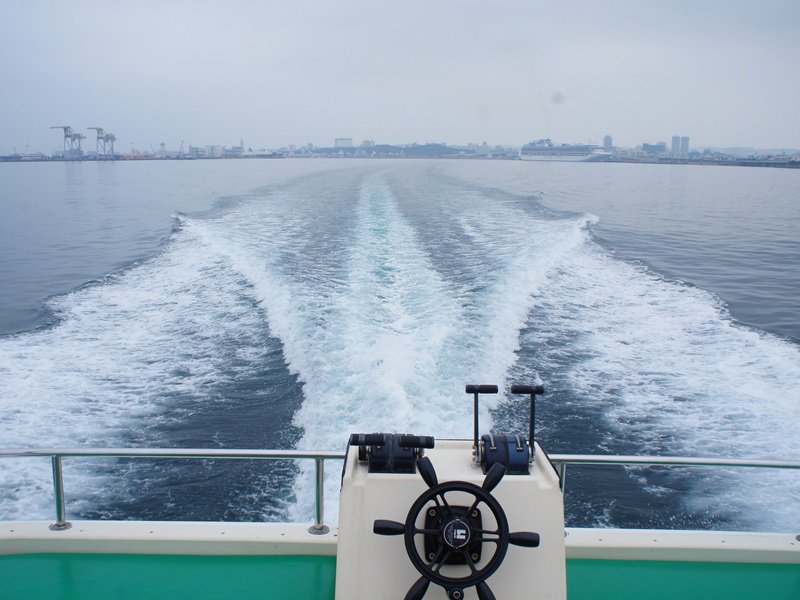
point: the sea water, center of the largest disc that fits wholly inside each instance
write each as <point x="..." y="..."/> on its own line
<point x="287" y="303"/>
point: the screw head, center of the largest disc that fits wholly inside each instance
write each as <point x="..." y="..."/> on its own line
<point x="432" y="512"/>
<point x="431" y="556"/>
<point x="475" y="513"/>
<point x="474" y="556"/>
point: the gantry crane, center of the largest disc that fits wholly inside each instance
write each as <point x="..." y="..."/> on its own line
<point x="110" y="139"/>
<point x="106" y="141"/>
<point x="101" y="140"/>
<point x="72" y="142"/>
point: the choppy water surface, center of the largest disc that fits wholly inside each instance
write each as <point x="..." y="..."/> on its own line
<point x="323" y="297"/>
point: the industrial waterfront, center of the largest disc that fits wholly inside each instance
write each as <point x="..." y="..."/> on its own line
<point x="679" y="152"/>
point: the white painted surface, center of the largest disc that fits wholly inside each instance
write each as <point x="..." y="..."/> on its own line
<point x="372" y="566"/>
<point x="699" y="546"/>
<point x="158" y="537"/>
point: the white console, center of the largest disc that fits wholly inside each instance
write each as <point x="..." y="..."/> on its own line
<point x="371" y="566"/>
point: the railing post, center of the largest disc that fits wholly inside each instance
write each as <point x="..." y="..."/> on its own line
<point x="319" y="500"/>
<point x="561" y="469"/>
<point x="58" y="488"/>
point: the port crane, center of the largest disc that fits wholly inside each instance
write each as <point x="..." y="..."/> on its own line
<point x="72" y="142"/>
<point x="106" y="141"/>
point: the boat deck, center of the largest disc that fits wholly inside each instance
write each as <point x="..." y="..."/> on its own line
<point x="177" y="577"/>
<point x="94" y="560"/>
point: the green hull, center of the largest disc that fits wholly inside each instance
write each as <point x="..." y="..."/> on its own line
<point x="178" y="577"/>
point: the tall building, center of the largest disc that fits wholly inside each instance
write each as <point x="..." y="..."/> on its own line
<point x="608" y="143"/>
<point x="676" y="144"/>
<point x="343" y="143"/>
<point x="685" y="145"/>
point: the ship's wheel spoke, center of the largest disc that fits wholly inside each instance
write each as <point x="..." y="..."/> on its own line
<point x="446" y="505"/>
<point x="470" y="563"/>
<point x="443" y="560"/>
<point x="486" y="541"/>
<point x="487" y="532"/>
<point x="480" y="536"/>
<point x="474" y="506"/>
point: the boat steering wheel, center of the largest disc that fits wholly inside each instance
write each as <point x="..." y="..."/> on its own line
<point x="456" y="534"/>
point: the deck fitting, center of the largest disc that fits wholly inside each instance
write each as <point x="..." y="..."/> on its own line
<point x="319" y="530"/>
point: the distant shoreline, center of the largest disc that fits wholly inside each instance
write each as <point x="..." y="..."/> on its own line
<point x="647" y="161"/>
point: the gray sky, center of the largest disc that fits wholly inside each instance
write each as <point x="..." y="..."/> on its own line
<point x="285" y="72"/>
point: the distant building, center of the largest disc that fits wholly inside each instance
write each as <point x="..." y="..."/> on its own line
<point x="676" y="144"/>
<point x="608" y="143"/>
<point x="368" y="144"/>
<point x="196" y="152"/>
<point x="655" y="149"/>
<point x="684" y="145"/>
<point x="214" y="151"/>
<point x="343" y="143"/>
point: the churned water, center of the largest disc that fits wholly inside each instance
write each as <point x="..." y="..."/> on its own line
<point x="287" y="303"/>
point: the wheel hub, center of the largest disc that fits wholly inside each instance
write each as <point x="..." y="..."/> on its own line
<point x="456" y="533"/>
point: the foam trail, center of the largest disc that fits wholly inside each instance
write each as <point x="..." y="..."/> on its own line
<point x="395" y="346"/>
<point x="382" y="341"/>
<point x="170" y="331"/>
<point x="368" y="347"/>
<point x="673" y="375"/>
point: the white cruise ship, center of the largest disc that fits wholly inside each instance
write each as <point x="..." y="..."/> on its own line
<point x="546" y="150"/>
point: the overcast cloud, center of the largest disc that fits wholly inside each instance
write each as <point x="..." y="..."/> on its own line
<point x="724" y="73"/>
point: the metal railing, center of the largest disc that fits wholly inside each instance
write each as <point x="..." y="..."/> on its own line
<point x="559" y="461"/>
<point x="56" y="455"/>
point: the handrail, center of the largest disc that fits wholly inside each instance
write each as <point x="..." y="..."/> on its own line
<point x="673" y="461"/>
<point x="222" y="453"/>
<point x="56" y="454"/>
<point x="560" y="462"/>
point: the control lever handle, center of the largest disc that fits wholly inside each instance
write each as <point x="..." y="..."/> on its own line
<point x="404" y="441"/>
<point x="386" y="527"/>
<point x="532" y="391"/>
<point x="526" y="539"/>
<point x="416" y="441"/>
<point x="527" y="389"/>
<point x="367" y="439"/>
<point x="476" y="390"/>
<point x="481" y="389"/>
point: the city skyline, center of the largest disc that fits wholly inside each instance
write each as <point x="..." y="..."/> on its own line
<point x="73" y="141"/>
<point x="459" y="72"/>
